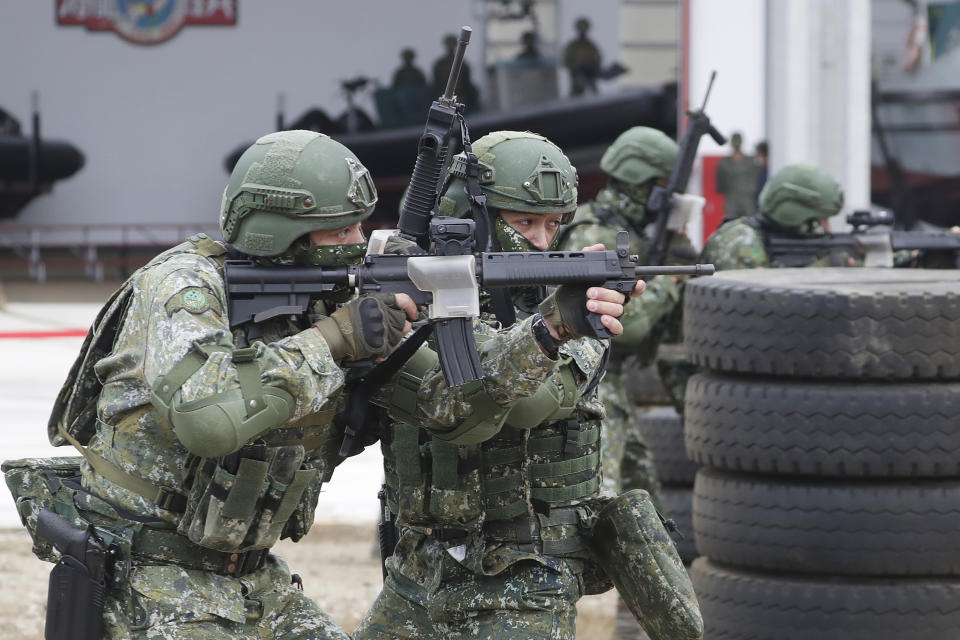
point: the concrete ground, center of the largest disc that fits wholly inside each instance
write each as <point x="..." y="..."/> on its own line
<point x="335" y="559"/>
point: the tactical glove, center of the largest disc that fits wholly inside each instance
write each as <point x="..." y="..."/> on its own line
<point x="565" y="309"/>
<point x="366" y="328"/>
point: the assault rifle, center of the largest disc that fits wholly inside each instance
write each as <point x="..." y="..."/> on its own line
<point x="447" y="282"/>
<point x="664" y="201"/>
<point x="874" y="246"/>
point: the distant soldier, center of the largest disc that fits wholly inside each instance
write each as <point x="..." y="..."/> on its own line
<point x="637" y="160"/>
<point x="582" y="59"/>
<point x="796" y="201"/>
<point x="466" y="91"/>
<point x="761" y="155"/>
<point x="737" y="181"/>
<point x="530" y="53"/>
<point x="409" y="75"/>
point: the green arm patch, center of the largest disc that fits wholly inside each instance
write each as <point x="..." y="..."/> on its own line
<point x="194" y="300"/>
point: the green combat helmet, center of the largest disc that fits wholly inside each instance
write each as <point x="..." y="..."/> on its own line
<point x="799" y="194"/>
<point x="519" y="171"/>
<point x="288" y="184"/>
<point x="640" y="154"/>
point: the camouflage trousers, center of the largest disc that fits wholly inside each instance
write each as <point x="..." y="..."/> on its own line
<point x="626" y="460"/>
<point x="171" y="603"/>
<point x="526" y="601"/>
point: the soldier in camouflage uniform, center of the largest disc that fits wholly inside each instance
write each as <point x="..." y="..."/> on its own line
<point x="737" y="176"/>
<point x="502" y="530"/>
<point x="205" y="445"/>
<point x="797" y="201"/>
<point x="637" y="160"/>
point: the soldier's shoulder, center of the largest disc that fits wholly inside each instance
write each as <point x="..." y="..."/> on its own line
<point x="179" y="267"/>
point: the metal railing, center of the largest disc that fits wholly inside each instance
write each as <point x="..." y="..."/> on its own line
<point x="86" y="242"/>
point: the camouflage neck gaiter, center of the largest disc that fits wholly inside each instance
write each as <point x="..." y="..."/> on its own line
<point x="525" y="299"/>
<point x="304" y="253"/>
<point x="627" y="201"/>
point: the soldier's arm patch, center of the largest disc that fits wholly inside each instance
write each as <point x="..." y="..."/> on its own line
<point x="194" y="300"/>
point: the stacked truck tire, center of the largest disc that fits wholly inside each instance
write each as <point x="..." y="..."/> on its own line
<point x="826" y="419"/>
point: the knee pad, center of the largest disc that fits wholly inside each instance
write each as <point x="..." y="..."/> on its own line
<point x="636" y="551"/>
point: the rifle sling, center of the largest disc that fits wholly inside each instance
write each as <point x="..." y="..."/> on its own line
<point x="500" y="302"/>
<point x="356" y="414"/>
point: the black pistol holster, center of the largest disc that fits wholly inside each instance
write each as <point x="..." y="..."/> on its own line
<point x="77" y="582"/>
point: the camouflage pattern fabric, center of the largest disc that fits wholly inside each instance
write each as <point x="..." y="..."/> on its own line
<point x="527" y="600"/>
<point x="166" y="602"/>
<point x="737" y="244"/>
<point x="622" y="446"/>
<point x="637" y="552"/>
<point x="295" y="359"/>
<point x="477" y="585"/>
<point x="674" y="372"/>
<point x="740" y="244"/>
<point x="599" y="222"/>
<point x="178" y="302"/>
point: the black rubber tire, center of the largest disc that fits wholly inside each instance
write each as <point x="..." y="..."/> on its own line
<point x="826" y="322"/>
<point x="876" y="529"/>
<point x="784" y="426"/>
<point x="662" y="430"/>
<point x="738" y="605"/>
<point x="678" y="506"/>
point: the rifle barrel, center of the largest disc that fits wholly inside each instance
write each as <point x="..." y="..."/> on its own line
<point x="457" y="62"/>
<point x="678" y="270"/>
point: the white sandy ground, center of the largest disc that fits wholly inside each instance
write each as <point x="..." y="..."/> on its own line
<point x="335" y="560"/>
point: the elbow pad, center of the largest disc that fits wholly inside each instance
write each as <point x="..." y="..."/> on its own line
<point x="555" y="400"/>
<point x="218" y="425"/>
<point x="403" y="404"/>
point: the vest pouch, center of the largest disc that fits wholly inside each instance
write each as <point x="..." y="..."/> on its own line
<point x="300" y="521"/>
<point x="456" y="492"/>
<point x="279" y="503"/>
<point x="407" y="491"/>
<point x="228" y="506"/>
<point x="54" y="484"/>
<point x="35" y="484"/>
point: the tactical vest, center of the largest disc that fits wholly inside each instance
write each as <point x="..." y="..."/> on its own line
<point x="518" y="487"/>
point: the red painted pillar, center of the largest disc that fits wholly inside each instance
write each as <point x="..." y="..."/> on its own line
<point x="713" y="209"/>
